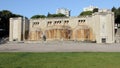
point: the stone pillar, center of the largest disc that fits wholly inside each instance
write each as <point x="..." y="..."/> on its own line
<point x="52" y="34"/>
<point x="11" y="30"/>
<point x="49" y="34"/>
<point x="91" y="37"/>
<point x="73" y="35"/>
<point x="78" y="34"/>
<point x="64" y="34"/>
<point x="86" y="35"/>
<point x="82" y="34"/>
<point x="31" y="35"/>
<point x="35" y="35"/>
<point x="38" y="35"/>
<point x="55" y="33"/>
<point x="60" y="34"/>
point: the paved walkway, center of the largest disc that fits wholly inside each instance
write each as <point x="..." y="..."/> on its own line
<point x="59" y="47"/>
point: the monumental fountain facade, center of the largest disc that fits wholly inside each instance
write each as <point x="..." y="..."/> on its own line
<point x="98" y="27"/>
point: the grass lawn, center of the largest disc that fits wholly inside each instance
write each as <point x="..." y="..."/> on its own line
<point x="60" y="60"/>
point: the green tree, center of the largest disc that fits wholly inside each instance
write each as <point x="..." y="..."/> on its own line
<point x="38" y="16"/>
<point x="55" y="15"/>
<point x="4" y="21"/>
<point x="85" y="13"/>
<point x="95" y="10"/>
<point x="113" y="9"/>
<point x="61" y="15"/>
<point x="48" y="15"/>
<point x="117" y="14"/>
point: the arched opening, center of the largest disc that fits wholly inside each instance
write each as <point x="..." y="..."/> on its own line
<point x="35" y="35"/>
<point x="83" y="33"/>
<point x="58" y="33"/>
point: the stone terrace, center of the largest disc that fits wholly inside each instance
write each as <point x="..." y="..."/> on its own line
<point x="58" y="46"/>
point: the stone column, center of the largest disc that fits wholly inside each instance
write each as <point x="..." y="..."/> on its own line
<point x="49" y="32"/>
<point x="64" y="34"/>
<point x="55" y="33"/>
<point x="82" y="34"/>
<point x="35" y="35"/>
<point x="32" y="36"/>
<point x="73" y="35"/>
<point x="39" y="35"/>
<point x="90" y="34"/>
<point x="58" y="34"/>
<point x="52" y="34"/>
<point x="78" y="34"/>
<point x="85" y="32"/>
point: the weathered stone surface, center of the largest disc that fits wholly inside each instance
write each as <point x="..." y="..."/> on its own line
<point x="98" y="27"/>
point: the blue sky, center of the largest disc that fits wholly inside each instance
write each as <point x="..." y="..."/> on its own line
<point x="29" y="8"/>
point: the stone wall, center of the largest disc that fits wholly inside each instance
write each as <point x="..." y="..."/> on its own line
<point x="98" y="27"/>
<point x="19" y="29"/>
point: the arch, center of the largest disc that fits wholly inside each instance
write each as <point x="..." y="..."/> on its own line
<point x="35" y="34"/>
<point x="83" y="33"/>
<point x="58" y="33"/>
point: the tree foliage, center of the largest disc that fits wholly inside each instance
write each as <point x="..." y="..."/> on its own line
<point x="113" y="9"/>
<point x="4" y="21"/>
<point x="117" y="14"/>
<point x="48" y="16"/>
<point x="85" y="13"/>
<point x="38" y="16"/>
<point x="95" y="10"/>
<point x="55" y="15"/>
